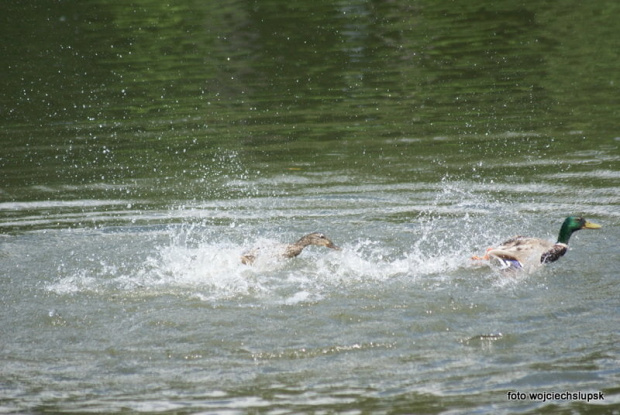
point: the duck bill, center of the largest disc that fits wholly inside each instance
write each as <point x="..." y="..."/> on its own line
<point x="590" y="225"/>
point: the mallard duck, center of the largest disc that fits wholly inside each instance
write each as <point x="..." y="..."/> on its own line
<point x="294" y="249"/>
<point x="518" y="251"/>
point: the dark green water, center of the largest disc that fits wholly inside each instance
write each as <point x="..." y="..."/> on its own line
<point x="146" y="145"/>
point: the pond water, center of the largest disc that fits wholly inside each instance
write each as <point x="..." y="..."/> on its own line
<point x="146" y="146"/>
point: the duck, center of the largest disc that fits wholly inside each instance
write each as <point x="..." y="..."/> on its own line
<point x="294" y="249"/>
<point x="519" y="251"/>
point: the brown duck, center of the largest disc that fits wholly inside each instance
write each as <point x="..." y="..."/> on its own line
<point x="294" y="249"/>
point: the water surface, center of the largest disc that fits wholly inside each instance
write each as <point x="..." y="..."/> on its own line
<point x="146" y="147"/>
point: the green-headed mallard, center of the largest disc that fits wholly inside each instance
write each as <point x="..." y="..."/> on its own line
<point x="516" y="252"/>
<point x="292" y="250"/>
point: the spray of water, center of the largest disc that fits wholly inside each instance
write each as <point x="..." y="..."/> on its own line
<point x="202" y="260"/>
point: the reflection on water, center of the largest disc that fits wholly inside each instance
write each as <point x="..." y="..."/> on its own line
<point x="157" y="93"/>
<point x="146" y="147"/>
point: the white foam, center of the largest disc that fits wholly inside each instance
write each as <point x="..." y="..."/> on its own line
<point x="212" y="271"/>
<point x="203" y="261"/>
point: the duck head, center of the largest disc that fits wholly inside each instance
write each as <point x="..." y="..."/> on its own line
<point x="572" y="224"/>
<point x="319" y="239"/>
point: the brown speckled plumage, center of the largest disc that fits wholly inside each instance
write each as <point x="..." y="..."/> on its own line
<point x="294" y="249"/>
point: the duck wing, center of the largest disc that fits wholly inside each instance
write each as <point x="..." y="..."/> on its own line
<point x="522" y="250"/>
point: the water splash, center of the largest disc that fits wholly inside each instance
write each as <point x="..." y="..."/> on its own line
<point x="202" y="260"/>
<point x="208" y="268"/>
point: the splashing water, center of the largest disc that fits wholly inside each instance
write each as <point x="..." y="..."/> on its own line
<point x="199" y="264"/>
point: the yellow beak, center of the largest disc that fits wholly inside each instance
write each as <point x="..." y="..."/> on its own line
<point x="590" y="225"/>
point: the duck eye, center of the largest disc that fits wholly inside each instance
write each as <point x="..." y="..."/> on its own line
<point x="321" y="236"/>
